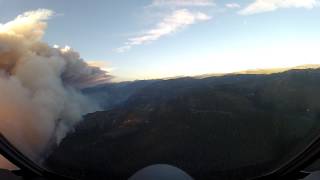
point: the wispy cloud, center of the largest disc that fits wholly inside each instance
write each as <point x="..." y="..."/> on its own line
<point x="179" y="19"/>
<point x="176" y="3"/>
<point x="260" y="6"/>
<point x="232" y="5"/>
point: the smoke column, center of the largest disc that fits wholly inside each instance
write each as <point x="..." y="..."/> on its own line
<point x="40" y="98"/>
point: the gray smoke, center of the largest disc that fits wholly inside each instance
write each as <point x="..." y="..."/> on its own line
<point x="40" y="98"/>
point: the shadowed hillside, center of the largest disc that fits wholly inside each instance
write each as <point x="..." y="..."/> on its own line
<point x="228" y="127"/>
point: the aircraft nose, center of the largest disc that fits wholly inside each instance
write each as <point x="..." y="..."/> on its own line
<point x="160" y="172"/>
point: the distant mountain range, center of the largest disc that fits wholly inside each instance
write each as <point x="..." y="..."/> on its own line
<point x="264" y="71"/>
<point x="112" y="94"/>
<point x="232" y="126"/>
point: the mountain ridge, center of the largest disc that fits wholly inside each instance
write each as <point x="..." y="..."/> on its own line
<point x="203" y="126"/>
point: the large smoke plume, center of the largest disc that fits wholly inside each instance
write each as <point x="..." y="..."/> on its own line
<point x="40" y="97"/>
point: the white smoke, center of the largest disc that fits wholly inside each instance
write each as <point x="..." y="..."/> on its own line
<point x="40" y="99"/>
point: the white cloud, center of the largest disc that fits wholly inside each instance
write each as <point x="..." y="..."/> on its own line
<point x="182" y="3"/>
<point x="123" y="48"/>
<point x="233" y="5"/>
<point x="260" y="6"/>
<point x="177" y="20"/>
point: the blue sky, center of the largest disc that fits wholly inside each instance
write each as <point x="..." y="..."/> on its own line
<point x="143" y="39"/>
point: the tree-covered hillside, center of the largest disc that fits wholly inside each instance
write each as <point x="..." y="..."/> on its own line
<point x="228" y="127"/>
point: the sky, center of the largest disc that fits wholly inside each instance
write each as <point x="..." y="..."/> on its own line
<point x="147" y="39"/>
